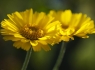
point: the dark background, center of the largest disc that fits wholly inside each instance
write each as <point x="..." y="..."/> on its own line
<point x="80" y="53"/>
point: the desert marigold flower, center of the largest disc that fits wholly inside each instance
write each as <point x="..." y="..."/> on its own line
<point x="76" y="24"/>
<point x="28" y="29"/>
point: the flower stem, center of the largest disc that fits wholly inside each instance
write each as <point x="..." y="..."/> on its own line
<point x="60" y="57"/>
<point x="27" y="58"/>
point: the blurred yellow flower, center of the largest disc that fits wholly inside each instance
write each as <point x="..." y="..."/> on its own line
<point x="28" y="29"/>
<point x="76" y="24"/>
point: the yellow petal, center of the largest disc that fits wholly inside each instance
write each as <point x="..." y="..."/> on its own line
<point x="46" y="47"/>
<point x="34" y="43"/>
<point x="43" y="42"/>
<point x="43" y="38"/>
<point x="83" y="28"/>
<point x="66" y="17"/>
<point x="10" y="37"/>
<point x="19" y="15"/>
<point x="39" y="18"/>
<point x="18" y="35"/>
<point x="19" y="44"/>
<point x="75" y="21"/>
<point x="24" y="40"/>
<point x="26" y="46"/>
<point x="30" y="16"/>
<point x="10" y="26"/>
<point x="36" y="48"/>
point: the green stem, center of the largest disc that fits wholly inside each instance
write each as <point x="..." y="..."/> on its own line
<point x="27" y="58"/>
<point x="60" y="57"/>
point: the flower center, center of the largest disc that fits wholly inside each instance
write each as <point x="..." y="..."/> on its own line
<point x="31" y="32"/>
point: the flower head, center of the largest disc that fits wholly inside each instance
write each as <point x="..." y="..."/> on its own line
<point x="76" y="24"/>
<point x="28" y="29"/>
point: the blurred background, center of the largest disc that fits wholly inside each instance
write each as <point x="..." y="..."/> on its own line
<point x="80" y="53"/>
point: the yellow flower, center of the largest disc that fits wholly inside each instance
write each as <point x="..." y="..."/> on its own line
<point x="28" y="29"/>
<point x="76" y="24"/>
